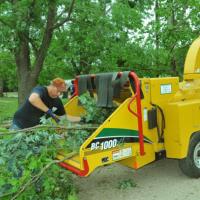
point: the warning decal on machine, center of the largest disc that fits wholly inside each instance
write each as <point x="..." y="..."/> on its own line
<point x="122" y="153"/>
<point x="165" y="89"/>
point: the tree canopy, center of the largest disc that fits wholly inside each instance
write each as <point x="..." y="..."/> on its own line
<point x="42" y="39"/>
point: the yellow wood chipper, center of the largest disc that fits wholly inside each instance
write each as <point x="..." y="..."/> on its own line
<point x="155" y="118"/>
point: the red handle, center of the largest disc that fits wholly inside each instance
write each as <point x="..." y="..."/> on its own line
<point x="139" y="111"/>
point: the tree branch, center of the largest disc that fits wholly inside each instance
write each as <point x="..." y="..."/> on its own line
<point x="35" y="49"/>
<point x="48" y="33"/>
<point x="50" y="127"/>
<point x="29" y="19"/>
<point x="31" y="41"/>
<point x="68" y="16"/>
<point x="36" y="177"/>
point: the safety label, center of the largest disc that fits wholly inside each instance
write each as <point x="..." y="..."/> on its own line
<point x="122" y="153"/>
<point x="145" y="114"/>
<point x="166" y="89"/>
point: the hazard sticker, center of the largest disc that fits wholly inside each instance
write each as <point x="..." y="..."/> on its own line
<point x="122" y="153"/>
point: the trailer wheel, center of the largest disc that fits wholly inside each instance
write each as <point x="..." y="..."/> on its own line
<point x="190" y="165"/>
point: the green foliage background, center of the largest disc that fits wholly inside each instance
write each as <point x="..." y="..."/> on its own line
<point x="149" y="37"/>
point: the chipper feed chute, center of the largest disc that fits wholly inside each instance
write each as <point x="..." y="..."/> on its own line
<point x="118" y="138"/>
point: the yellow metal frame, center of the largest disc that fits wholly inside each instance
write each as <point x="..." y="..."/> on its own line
<point x="73" y="108"/>
<point x="179" y="104"/>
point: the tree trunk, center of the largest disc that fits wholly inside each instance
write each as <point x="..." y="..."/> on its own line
<point x="174" y="67"/>
<point x="25" y="85"/>
<point x="27" y="75"/>
<point x="22" y="58"/>
<point x="1" y="87"/>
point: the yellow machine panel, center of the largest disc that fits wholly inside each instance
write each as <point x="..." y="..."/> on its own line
<point x="182" y="119"/>
<point x="73" y="108"/>
<point x="162" y="89"/>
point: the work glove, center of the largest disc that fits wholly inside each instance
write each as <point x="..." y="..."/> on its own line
<point x="52" y="115"/>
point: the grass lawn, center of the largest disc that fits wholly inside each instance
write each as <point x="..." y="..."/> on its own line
<point x="8" y="106"/>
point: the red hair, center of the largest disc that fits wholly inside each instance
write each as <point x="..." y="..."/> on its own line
<point x="58" y="82"/>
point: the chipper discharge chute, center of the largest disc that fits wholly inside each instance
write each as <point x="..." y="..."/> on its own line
<point x="154" y="118"/>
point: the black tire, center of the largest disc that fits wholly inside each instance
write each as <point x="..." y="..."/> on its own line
<point x="190" y="165"/>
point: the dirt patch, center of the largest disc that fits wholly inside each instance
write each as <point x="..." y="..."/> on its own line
<point x="159" y="180"/>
